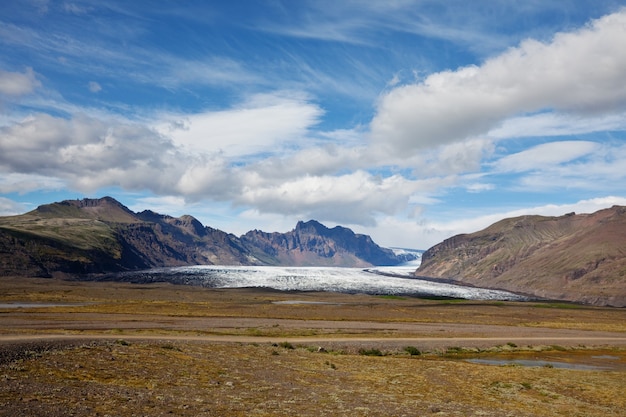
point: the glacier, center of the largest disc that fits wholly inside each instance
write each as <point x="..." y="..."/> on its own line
<point x="395" y="280"/>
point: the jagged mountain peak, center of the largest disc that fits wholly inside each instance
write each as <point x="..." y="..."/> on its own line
<point x="310" y="223"/>
<point x="103" y="235"/>
<point x="312" y="243"/>
<point x="316" y="227"/>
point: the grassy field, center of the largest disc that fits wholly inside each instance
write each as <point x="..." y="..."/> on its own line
<point x="154" y="350"/>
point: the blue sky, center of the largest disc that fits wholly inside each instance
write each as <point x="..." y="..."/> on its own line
<point x="409" y="120"/>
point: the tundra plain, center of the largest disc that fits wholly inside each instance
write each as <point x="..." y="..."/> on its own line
<point x="118" y="349"/>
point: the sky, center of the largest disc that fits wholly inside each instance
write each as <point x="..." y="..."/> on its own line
<point x="408" y="120"/>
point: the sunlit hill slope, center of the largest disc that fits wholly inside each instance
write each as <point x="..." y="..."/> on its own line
<point x="576" y="257"/>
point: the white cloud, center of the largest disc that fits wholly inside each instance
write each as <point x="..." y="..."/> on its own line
<point x="18" y="84"/>
<point x="257" y="125"/>
<point x="351" y="198"/>
<point x="26" y="183"/>
<point x="87" y="152"/>
<point x="452" y="158"/>
<point x="601" y="169"/>
<point x="10" y="208"/>
<point x="577" y="72"/>
<point x="557" y="124"/>
<point x="166" y="204"/>
<point x="545" y="156"/>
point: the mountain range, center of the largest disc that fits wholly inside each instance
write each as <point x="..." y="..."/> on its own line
<point x="93" y="236"/>
<point x="575" y="257"/>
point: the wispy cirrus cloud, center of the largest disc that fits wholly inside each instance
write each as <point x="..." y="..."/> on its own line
<point x="377" y="114"/>
<point x="546" y="155"/>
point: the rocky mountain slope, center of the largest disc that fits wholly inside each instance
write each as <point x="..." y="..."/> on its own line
<point x="573" y="257"/>
<point x="313" y="244"/>
<point x="102" y="235"/>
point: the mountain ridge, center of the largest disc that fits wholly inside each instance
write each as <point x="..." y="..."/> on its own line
<point x="574" y="257"/>
<point x="313" y="244"/>
<point x="94" y="236"/>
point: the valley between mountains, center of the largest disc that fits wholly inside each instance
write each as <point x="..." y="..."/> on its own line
<point x="575" y="257"/>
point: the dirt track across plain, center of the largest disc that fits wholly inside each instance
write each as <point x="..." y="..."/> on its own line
<point x="50" y="309"/>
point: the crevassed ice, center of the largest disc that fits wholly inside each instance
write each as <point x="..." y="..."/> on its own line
<point x="348" y="280"/>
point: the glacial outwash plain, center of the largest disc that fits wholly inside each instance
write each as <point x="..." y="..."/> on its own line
<point x="76" y="341"/>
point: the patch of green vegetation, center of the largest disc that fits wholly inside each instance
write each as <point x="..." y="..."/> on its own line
<point x="558" y="348"/>
<point x="412" y="350"/>
<point x="454" y="349"/>
<point x="370" y="352"/>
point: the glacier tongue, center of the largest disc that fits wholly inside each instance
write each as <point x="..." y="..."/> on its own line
<point x="385" y="281"/>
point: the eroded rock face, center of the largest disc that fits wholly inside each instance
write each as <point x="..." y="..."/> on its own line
<point x="572" y="257"/>
<point x="312" y="243"/>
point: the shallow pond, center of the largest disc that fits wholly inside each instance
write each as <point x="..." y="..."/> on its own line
<point x="579" y="362"/>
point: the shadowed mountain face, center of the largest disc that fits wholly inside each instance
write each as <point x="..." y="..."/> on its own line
<point x="573" y="257"/>
<point x="313" y="244"/>
<point x="101" y="235"/>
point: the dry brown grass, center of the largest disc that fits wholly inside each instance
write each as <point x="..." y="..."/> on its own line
<point x="164" y="355"/>
<point x="198" y="379"/>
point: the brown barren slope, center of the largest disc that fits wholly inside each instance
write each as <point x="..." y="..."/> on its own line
<point x="579" y="258"/>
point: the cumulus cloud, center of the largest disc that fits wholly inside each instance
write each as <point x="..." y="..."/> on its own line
<point x="256" y="125"/>
<point x="88" y="153"/>
<point x="17" y="83"/>
<point x="452" y="158"/>
<point x="353" y="197"/>
<point x="578" y="72"/>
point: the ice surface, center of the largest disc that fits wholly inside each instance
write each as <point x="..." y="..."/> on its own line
<point x="345" y="280"/>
